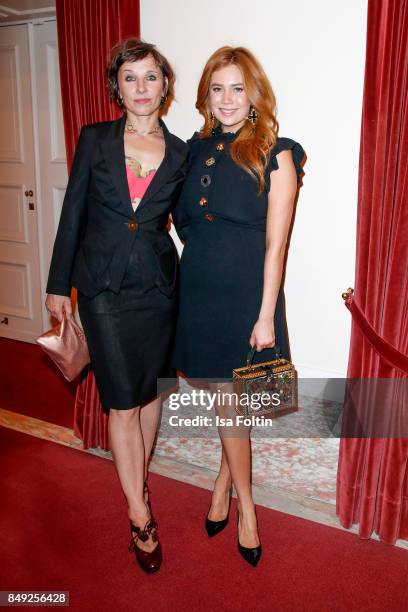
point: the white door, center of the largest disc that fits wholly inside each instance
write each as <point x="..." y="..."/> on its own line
<point x="32" y="161"/>
<point x="20" y="288"/>
<point x="52" y="166"/>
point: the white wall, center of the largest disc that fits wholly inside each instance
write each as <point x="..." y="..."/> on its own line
<point x="313" y="53"/>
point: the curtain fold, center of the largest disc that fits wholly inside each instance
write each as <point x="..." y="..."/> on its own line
<point x="372" y="481"/>
<point x="90" y="422"/>
<point x="86" y="33"/>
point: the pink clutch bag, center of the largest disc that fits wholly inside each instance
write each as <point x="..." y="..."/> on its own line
<point x="66" y="345"/>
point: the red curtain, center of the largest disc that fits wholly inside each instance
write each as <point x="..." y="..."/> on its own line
<point x="372" y="481"/>
<point x="87" y="30"/>
<point x="90" y="421"/>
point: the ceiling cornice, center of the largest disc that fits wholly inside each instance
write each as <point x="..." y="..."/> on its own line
<point x="8" y="13"/>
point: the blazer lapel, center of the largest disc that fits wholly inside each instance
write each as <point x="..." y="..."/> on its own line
<point x="171" y="163"/>
<point x="114" y="151"/>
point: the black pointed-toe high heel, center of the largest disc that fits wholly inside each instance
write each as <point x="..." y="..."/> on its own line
<point x="251" y="555"/>
<point x="215" y="527"/>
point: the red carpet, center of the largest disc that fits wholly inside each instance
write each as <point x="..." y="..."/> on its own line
<point x="63" y="526"/>
<point x="33" y="386"/>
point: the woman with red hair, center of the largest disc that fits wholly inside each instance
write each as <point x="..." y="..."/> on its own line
<point x="234" y="215"/>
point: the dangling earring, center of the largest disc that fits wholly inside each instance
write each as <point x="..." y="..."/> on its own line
<point x="163" y="101"/>
<point x="253" y="115"/>
<point x="213" y="120"/>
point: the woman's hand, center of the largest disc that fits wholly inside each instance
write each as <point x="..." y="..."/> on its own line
<point x="57" y="305"/>
<point x="263" y="334"/>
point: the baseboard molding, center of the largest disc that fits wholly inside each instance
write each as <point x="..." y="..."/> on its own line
<point x="12" y="334"/>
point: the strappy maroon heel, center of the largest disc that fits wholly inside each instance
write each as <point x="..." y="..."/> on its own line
<point x="149" y="561"/>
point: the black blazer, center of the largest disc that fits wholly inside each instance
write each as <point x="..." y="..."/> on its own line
<point x="98" y="228"/>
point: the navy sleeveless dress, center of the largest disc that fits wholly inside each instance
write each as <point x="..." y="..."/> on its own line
<point x="222" y="220"/>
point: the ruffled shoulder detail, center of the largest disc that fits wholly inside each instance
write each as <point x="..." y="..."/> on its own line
<point x="194" y="145"/>
<point x="194" y="138"/>
<point x="298" y="154"/>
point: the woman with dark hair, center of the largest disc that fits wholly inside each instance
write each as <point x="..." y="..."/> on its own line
<point x="113" y="245"/>
<point x="234" y="215"/>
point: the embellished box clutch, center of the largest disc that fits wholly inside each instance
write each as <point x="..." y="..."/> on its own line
<point x="268" y="388"/>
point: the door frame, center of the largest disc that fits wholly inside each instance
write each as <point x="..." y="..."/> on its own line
<point x="42" y="258"/>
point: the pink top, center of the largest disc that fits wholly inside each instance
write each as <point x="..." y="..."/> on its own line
<point x="137" y="184"/>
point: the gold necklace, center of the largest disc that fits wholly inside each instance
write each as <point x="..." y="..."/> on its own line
<point x="130" y="128"/>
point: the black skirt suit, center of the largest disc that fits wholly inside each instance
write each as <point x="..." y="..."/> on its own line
<point x="123" y="263"/>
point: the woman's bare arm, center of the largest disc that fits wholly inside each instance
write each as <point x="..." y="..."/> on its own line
<point x="280" y="210"/>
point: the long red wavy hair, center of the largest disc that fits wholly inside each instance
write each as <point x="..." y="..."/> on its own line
<point x="251" y="148"/>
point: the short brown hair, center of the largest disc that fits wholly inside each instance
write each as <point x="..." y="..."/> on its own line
<point x="132" y="50"/>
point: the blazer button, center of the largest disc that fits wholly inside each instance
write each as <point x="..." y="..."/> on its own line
<point x="203" y="202"/>
<point x="210" y="161"/>
<point x="220" y="146"/>
<point x="132" y="225"/>
<point x="209" y="217"/>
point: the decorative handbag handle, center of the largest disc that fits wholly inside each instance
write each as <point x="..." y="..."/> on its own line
<point x="252" y="350"/>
